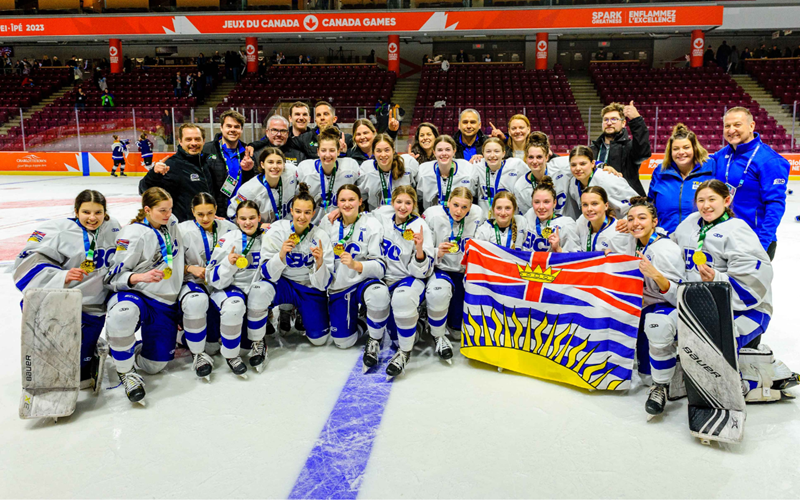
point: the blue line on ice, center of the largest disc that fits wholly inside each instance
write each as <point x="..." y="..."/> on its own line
<point x="335" y="467"/>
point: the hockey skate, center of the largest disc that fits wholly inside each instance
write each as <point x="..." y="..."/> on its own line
<point x="202" y="365"/>
<point x="764" y="378"/>
<point x="371" y="352"/>
<point x="444" y="349"/>
<point x="397" y="365"/>
<point x="237" y="366"/>
<point x="258" y="355"/>
<point x="285" y="321"/>
<point x="298" y="323"/>
<point x="134" y="386"/>
<point x="99" y="364"/>
<point x="656" y="401"/>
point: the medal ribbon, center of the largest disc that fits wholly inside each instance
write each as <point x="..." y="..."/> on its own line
<point x="342" y="238"/>
<point x="746" y="168"/>
<point x="706" y="228"/>
<point x="453" y="237"/>
<point x="653" y="238"/>
<point x="326" y="195"/>
<point x="87" y="245"/>
<point x="589" y="243"/>
<point x="232" y="162"/>
<point x="405" y="224"/>
<point x="498" y="236"/>
<point x="305" y="233"/>
<point x="208" y="248"/>
<point x="388" y="192"/>
<point x="165" y="244"/>
<point x="247" y="245"/>
<point x="453" y="170"/>
<point x="492" y="192"/>
<point x="277" y="208"/>
<point x="546" y="224"/>
<point x="580" y="189"/>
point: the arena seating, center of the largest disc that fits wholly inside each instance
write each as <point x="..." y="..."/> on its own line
<point x="14" y="95"/>
<point x="499" y="91"/>
<point x="344" y="86"/>
<point x="697" y="97"/>
<point x="779" y="76"/>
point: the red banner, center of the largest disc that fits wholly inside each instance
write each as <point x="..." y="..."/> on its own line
<point x="388" y="22"/>
<point x="542" y="45"/>
<point x="698" y="48"/>
<point x="251" y="49"/>
<point x="115" y="55"/>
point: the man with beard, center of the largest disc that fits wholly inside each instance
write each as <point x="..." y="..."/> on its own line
<point x="277" y="136"/>
<point x="228" y="160"/>
<point x="469" y="138"/>
<point x="324" y="117"/>
<point x="299" y="116"/>
<point x="616" y="148"/>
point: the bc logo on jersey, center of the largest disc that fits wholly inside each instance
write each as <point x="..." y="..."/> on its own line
<point x="688" y="254"/>
<point x="535" y="244"/>
<point x="299" y="260"/>
<point x="391" y="251"/>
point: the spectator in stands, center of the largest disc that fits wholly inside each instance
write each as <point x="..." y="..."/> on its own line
<point x="708" y="56"/>
<point x="27" y="81"/>
<point x="177" y="85"/>
<point x="796" y="52"/>
<point x="761" y="52"/>
<point x="201" y="62"/>
<point x="80" y="99"/>
<point x="190" y="85"/>
<point x="745" y="55"/>
<point x="228" y="160"/>
<point x="755" y="174"/>
<point x="462" y="56"/>
<point x="422" y="149"/>
<point x="184" y="174"/>
<point x="276" y="135"/>
<point x="46" y="62"/>
<point x="674" y="182"/>
<point x="774" y="52"/>
<point x="487" y="58"/>
<point x="324" y="117"/>
<point x="8" y="65"/>
<point x="723" y="55"/>
<point x="199" y="84"/>
<point x="601" y="55"/>
<point x="371" y="57"/>
<point x="56" y="62"/>
<point x="469" y="138"/>
<point x="102" y="85"/>
<point x="787" y="52"/>
<point x="426" y="59"/>
<point x="735" y="60"/>
<point x="107" y="99"/>
<point x="622" y="152"/>
<point x="127" y="64"/>
<point x="300" y="116"/>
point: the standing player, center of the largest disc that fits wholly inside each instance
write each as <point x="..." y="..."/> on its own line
<point x="505" y="226"/>
<point x="75" y="254"/>
<point x="586" y="174"/>
<point x="597" y="227"/>
<point x="358" y="267"/>
<point x="119" y="151"/>
<point x="452" y="227"/>
<point x="200" y="237"/>
<point x="297" y="266"/>
<point x="548" y="231"/>
<point x="272" y="189"/>
<point x="494" y="173"/>
<point x="408" y="247"/>
<point x="146" y="149"/>
<point x="146" y="277"/>
<point x="378" y="177"/>
<point x="663" y="270"/>
<point x="233" y="276"/>
<point x="437" y="179"/>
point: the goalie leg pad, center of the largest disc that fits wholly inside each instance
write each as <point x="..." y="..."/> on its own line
<point x="51" y="352"/>
<point x="707" y="347"/>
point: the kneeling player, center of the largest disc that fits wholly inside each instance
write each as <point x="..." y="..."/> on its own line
<point x="663" y="270"/>
<point x="597" y="227"/>
<point x="146" y="274"/>
<point x="75" y="253"/>
<point x="505" y="227"/>
<point x="547" y="230"/>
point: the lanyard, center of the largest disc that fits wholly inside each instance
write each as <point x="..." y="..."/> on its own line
<point x="277" y="208"/>
<point x="591" y="244"/>
<point x="489" y="191"/>
<point x="653" y="238"/>
<point x="342" y="237"/>
<point x="546" y="224"/>
<point x="88" y="245"/>
<point x="405" y="224"/>
<point x="453" y="237"/>
<point x="247" y="245"/>
<point x="232" y="160"/>
<point x="497" y="235"/>
<point x="326" y="196"/>
<point x="305" y="233"/>
<point x="744" y="174"/>
<point x="165" y="244"/>
<point x="706" y="228"/>
<point x="453" y="170"/>
<point x="532" y="180"/>
<point x="205" y="239"/>
<point x="387" y="193"/>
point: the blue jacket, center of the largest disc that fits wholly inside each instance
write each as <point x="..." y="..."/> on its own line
<point x="761" y="199"/>
<point x="673" y="195"/>
<point x="118" y="150"/>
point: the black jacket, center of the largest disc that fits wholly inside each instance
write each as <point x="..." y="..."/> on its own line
<point x="308" y="141"/>
<point x="293" y="155"/>
<point x="215" y="162"/>
<point x="359" y="156"/>
<point x="460" y="146"/>
<point x="626" y="154"/>
<point x="187" y="176"/>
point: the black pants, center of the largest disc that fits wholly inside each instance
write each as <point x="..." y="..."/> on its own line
<point x="771" y="250"/>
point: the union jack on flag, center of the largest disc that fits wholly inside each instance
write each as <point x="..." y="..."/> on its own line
<point x="570" y="317"/>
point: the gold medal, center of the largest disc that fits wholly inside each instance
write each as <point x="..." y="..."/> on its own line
<point x="338" y="249"/>
<point x="294" y="238"/>
<point x="547" y="232"/>
<point x="454" y="247"/>
<point x="241" y="262"/>
<point x="408" y="234"/>
<point x="167" y="273"/>
<point x="699" y="258"/>
<point x="88" y="266"/>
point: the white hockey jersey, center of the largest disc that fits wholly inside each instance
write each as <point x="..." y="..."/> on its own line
<point x="400" y="253"/>
<point x="617" y="188"/>
<point x="440" y="223"/>
<point x="369" y="181"/>
<point x="300" y="265"/>
<point x="503" y="179"/>
<point x="364" y="244"/>
<point x="139" y="249"/>
<point x="486" y="232"/>
<point x="310" y="172"/>
<point x="256" y="189"/>
<point x="57" y="246"/>
<point x="734" y="251"/>
<point x="432" y="190"/>
<point x="197" y="250"/>
<point x="523" y="188"/>
<point x="567" y="232"/>
<point x="608" y="238"/>
<point x="221" y="274"/>
<point x="667" y="257"/>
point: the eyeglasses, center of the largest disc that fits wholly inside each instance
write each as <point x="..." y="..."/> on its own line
<point x="278" y="131"/>
<point x="611" y="120"/>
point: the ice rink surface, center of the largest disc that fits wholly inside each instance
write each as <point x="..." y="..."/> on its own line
<point x="311" y="425"/>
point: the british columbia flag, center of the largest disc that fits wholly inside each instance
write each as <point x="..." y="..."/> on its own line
<point x="570" y="317"/>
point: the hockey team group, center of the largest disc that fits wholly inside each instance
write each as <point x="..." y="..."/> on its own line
<point x="346" y="246"/>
